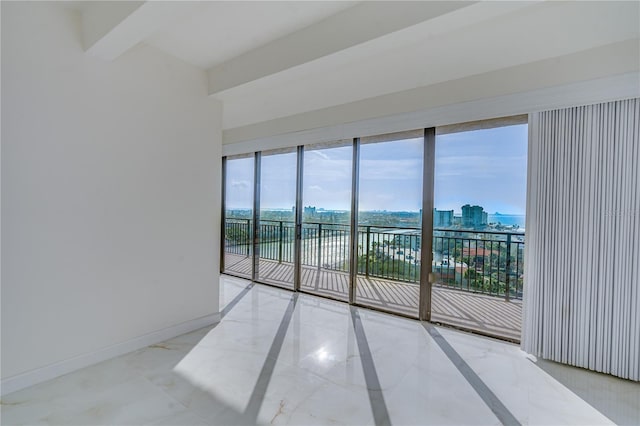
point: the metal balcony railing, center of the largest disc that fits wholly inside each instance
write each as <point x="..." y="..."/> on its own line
<point x="486" y="262"/>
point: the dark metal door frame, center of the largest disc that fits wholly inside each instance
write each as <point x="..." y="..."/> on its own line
<point x="353" y="246"/>
<point x="223" y="215"/>
<point x="427" y="224"/>
<point x="297" y="255"/>
<point x="256" y="216"/>
<point x="426" y="253"/>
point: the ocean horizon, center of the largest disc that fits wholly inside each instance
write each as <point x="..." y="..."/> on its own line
<point x="507" y="219"/>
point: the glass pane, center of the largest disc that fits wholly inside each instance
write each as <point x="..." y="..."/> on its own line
<point x="238" y="256"/>
<point x="479" y="217"/>
<point x="389" y="220"/>
<point x="326" y="221"/>
<point x="277" y="219"/>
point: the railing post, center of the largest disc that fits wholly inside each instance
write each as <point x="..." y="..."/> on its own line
<point x="248" y="237"/>
<point x="280" y="245"/>
<point x="366" y="269"/>
<point x="319" y="246"/>
<point x="507" y="268"/>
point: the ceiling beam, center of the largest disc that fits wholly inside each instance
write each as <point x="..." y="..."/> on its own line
<point x="111" y="28"/>
<point x="615" y="66"/>
<point x="357" y="25"/>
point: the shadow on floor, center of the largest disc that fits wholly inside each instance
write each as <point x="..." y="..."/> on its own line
<point x="616" y="398"/>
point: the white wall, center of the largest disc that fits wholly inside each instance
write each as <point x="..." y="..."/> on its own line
<point x="110" y="193"/>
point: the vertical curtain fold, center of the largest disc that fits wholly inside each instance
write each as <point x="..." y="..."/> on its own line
<point x="582" y="295"/>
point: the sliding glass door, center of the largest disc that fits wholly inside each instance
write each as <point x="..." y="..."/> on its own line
<point x="389" y="222"/>
<point x="351" y="220"/>
<point x="238" y="226"/>
<point x="478" y="243"/>
<point x="326" y="216"/>
<point x="276" y="230"/>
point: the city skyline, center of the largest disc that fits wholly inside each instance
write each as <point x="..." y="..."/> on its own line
<point x="482" y="167"/>
<point x="323" y="210"/>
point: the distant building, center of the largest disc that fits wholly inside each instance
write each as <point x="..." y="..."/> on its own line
<point x="310" y="210"/>
<point x="478" y="255"/>
<point x="409" y="240"/>
<point x="442" y="218"/>
<point x="473" y="217"/>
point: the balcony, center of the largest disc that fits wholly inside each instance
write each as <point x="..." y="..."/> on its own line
<point x="478" y="275"/>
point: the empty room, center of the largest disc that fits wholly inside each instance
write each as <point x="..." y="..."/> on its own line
<point x="320" y="212"/>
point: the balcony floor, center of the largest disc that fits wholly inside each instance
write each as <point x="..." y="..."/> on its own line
<point x="486" y="314"/>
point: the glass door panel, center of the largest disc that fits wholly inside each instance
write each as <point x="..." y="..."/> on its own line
<point x="238" y="250"/>
<point x="389" y="222"/>
<point x="277" y="218"/>
<point x="326" y="220"/>
<point x="478" y="243"/>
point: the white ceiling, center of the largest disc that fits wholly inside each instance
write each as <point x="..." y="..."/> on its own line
<point x="222" y="30"/>
<point x="268" y="60"/>
<point x="421" y="57"/>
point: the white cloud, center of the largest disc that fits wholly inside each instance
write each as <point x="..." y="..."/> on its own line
<point x="240" y="184"/>
<point x="391" y="169"/>
<point x="320" y="154"/>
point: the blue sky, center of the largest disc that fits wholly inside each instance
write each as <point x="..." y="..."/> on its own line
<point x="327" y="178"/>
<point x="278" y="188"/>
<point x="391" y="175"/>
<point x="484" y="167"/>
<point x="239" y="189"/>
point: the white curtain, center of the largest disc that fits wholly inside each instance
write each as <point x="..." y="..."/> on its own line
<point x="582" y="259"/>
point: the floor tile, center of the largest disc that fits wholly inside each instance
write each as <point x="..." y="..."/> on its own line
<point x="283" y="358"/>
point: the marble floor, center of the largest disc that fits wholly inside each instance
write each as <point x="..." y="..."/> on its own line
<point x="283" y="358"/>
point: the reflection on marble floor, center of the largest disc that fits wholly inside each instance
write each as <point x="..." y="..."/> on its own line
<point x="281" y="358"/>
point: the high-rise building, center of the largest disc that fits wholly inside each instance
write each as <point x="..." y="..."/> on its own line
<point x="473" y="216"/>
<point x="442" y="218"/>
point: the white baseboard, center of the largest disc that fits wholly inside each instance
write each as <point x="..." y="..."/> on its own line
<point x="42" y="374"/>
